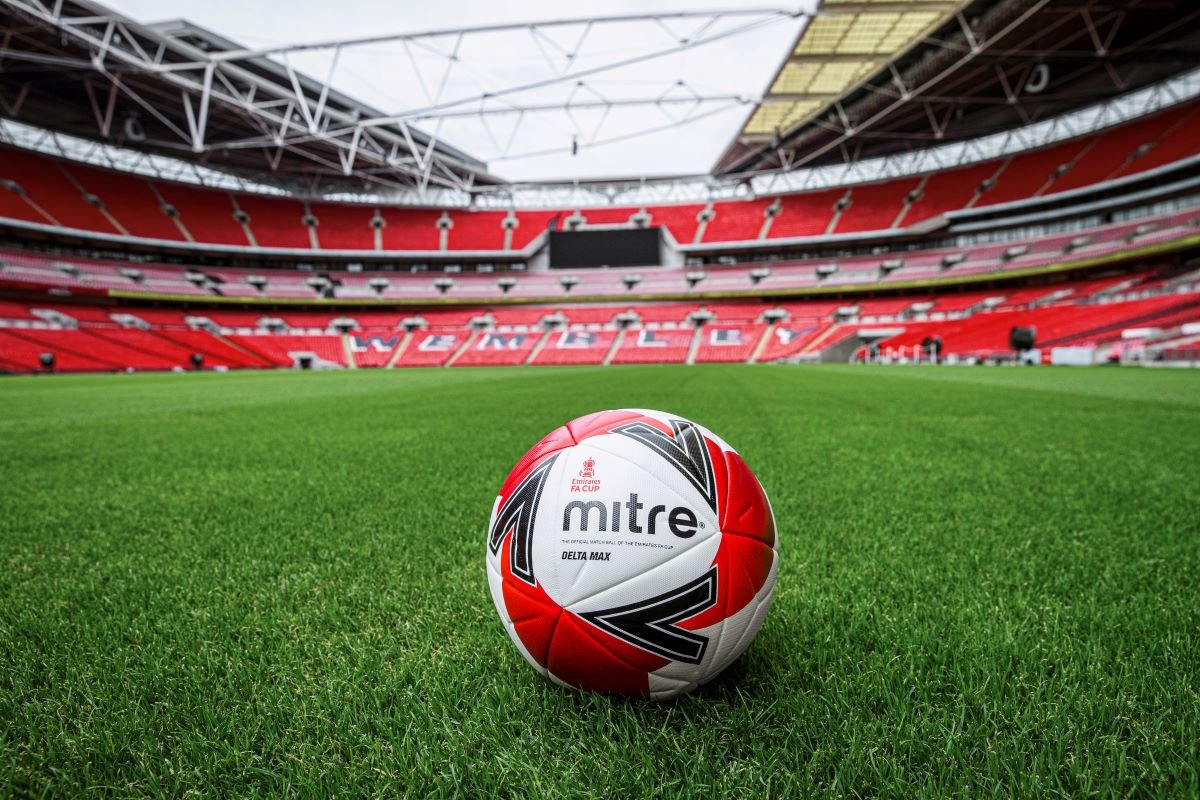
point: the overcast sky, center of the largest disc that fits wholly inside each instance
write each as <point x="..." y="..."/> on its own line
<point x="535" y="145"/>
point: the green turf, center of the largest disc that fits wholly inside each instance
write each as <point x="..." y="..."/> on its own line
<point x="273" y="584"/>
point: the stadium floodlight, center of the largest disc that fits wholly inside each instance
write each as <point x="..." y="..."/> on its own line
<point x="272" y="324"/>
<point x="554" y="321"/>
<point x="694" y="277"/>
<point x="258" y="281"/>
<point x="825" y="270"/>
<point x="130" y="321"/>
<point x="506" y="284"/>
<point x="952" y="260"/>
<point x="759" y="274"/>
<point x="414" y="323"/>
<point x="443" y="284"/>
<point x="1079" y="242"/>
<point x="1145" y="229"/>
<point x="631" y="281"/>
<point x="776" y="314"/>
<point x="197" y="322"/>
<point x="379" y="284"/>
<point x="195" y="278"/>
<point x="920" y="308"/>
<point x="626" y="318"/>
<point x="701" y="316"/>
<point x="1015" y="252"/>
<point x="568" y="282"/>
<point x="133" y="273"/>
<point x="344" y="324"/>
<point x="56" y="317"/>
<point x="890" y="265"/>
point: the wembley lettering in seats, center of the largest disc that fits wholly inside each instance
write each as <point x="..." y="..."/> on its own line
<point x="437" y="342"/>
<point x="380" y="344"/>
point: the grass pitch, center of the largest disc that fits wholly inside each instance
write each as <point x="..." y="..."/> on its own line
<point x="273" y="584"/>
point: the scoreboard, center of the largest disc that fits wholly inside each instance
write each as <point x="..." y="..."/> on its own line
<point x="615" y="247"/>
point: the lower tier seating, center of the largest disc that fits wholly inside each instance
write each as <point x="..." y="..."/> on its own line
<point x="654" y="346"/>
<point x="97" y="337"/>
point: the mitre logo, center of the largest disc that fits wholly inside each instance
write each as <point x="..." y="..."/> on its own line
<point x="587" y="482"/>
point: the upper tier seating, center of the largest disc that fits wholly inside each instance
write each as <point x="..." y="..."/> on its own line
<point x="875" y="207"/>
<point x="129" y="199"/>
<point x="809" y="214"/>
<point x="947" y="191"/>
<point x="275" y="221"/>
<point x="736" y="221"/>
<point x="206" y="214"/>
<point x="78" y="196"/>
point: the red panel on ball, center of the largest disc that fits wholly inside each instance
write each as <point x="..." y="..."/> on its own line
<point x="533" y="613"/>
<point x="743" y="565"/>
<point x="577" y="658"/>
<point x="600" y="423"/>
<point x="745" y="509"/>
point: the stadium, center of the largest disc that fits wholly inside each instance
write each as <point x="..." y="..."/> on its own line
<point x="279" y="311"/>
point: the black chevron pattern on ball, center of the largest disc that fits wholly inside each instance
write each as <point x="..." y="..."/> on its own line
<point x="517" y="516"/>
<point x="687" y="452"/>
<point x="650" y="624"/>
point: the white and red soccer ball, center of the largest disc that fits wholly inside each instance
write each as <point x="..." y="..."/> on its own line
<point x="632" y="552"/>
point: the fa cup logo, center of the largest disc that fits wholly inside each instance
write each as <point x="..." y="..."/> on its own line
<point x="589" y="469"/>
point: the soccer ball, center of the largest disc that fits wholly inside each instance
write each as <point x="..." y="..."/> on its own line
<point x="632" y="552"/>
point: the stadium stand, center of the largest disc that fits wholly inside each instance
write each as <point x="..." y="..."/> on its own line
<point x="287" y="350"/>
<point x="576" y="345"/>
<point x="656" y="345"/>
<point x="724" y="342"/>
<point x="275" y="221"/>
<point x="499" y="348"/>
<point x="875" y="207"/>
<point x="130" y="201"/>
<point x="85" y="198"/>
<point x="809" y="214"/>
<point x="432" y="347"/>
<point x="736" y="221"/>
<point x="1095" y="311"/>
<point x="205" y="214"/>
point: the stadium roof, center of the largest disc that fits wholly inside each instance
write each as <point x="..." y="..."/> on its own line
<point x="846" y="42"/>
<point x="858" y="81"/>
<point x="78" y="68"/>
<point x="877" y="77"/>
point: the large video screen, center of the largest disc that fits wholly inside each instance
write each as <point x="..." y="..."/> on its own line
<point x="633" y="247"/>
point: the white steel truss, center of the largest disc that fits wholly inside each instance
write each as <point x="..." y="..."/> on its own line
<point x="689" y="189"/>
<point x="217" y="97"/>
